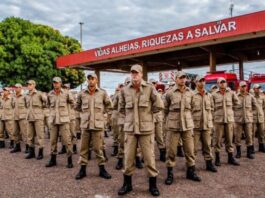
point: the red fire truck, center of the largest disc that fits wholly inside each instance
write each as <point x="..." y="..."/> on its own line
<point x="231" y="78"/>
<point x="257" y="79"/>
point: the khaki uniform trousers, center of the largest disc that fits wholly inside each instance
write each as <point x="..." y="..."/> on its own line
<point x="7" y="125"/>
<point x="203" y="136"/>
<point x="146" y="143"/>
<point x="238" y="130"/>
<point x="173" y="139"/>
<point x="73" y="131"/>
<point x="77" y="125"/>
<point x="121" y="142"/>
<point x="225" y="129"/>
<point x="96" y="138"/>
<point x="20" y="131"/>
<point x="35" y="129"/>
<point x="115" y="131"/>
<point x="259" y="129"/>
<point x="64" y="130"/>
<point x="159" y="135"/>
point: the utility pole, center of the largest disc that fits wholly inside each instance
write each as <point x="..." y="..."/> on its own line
<point x="231" y="8"/>
<point x="81" y="42"/>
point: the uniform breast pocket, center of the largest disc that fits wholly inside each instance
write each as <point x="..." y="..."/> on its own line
<point x="62" y="103"/>
<point x="128" y="102"/>
<point x="143" y="101"/>
<point x="218" y="103"/>
<point x="36" y="102"/>
<point x="229" y="101"/>
<point x="85" y="106"/>
<point x="248" y="103"/>
<point x="207" y="104"/>
<point x="98" y="106"/>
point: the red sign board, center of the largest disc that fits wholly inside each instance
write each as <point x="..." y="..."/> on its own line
<point x="235" y="26"/>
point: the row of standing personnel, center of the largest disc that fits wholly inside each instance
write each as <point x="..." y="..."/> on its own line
<point x="189" y="116"/>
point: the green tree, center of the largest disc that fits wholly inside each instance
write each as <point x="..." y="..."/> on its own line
<point x="28" y="51"/>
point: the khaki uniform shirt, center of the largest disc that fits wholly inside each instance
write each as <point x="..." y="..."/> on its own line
<point x="59" y="106"/>
<point x="139" y="107"/>
<point x="244" y="110"/>
<point x="20" y="111"/>
<point x="202" y="107"/>
<point x="178" y="109"/>
<point x="223" y="106"/>
<point x="36" y="102"/>
<point x="92" y="108"/>
<point x="7" y="105"/>
<point x="258" y="113"/>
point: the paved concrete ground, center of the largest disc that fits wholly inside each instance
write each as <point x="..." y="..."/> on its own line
<point x="30" y="178"/>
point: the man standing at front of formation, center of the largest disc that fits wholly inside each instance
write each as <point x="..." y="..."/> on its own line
<point x="20" y="122"/>
<point x="224" y="99"/>
<point x="202" y="106"/>
<point x="179" y="125"/>
<point x="59" y="119"/>
<point x="36" y="101"/>
<point x="244" y="119"/>
<point x="92" y="103"/>
<point x="139" y="101"/>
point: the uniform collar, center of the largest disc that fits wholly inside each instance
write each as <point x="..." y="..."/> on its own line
<point x="197" y="92"/>
<point x="143" y="83"/>
<point x="61" y="91"/>
<point x="88" y="91"/>
<point x="226" y="90"/>
<point x="176" y="88"/>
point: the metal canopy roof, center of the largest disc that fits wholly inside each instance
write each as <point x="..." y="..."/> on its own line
<point x="232" y="39"/>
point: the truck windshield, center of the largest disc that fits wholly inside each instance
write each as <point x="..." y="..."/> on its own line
<point x="208" y="84"/>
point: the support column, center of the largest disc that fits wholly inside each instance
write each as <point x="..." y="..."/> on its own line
<point x="212" y="58"/>
<point x="241" y="70"/>
<point x="97" y="72"/>
<point x="145" y="77"/>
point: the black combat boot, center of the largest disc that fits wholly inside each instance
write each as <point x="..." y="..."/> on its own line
<point x="31" y="153"/>
<point x="192" y="175"/>
<point x="82" y="172"/>
<point x="210" y="166"/>
<point x="261" y="147"/>
<point x="103" y="173"/>
<point x="2" y="144"/>
<point x="115" y="151"/>
<point x="52" y="161"/>
<point x="105" y="155"/>
<point x="119" y="165"/>
<point x="27" y="148"/>
<point x="217" y="159"/>
<point x="180" y="151"/>
<point x="152" y="187"/>
<point x="11" y="144"/>
<point x="238" y="151"/>
<point x="69" y="162"/>
<point x="74" y="149"/>
<point x="138" y="163"/>
<point x="127" y="185"/>
<point x="253" y="149"/>
<point x="249" y="153"/>
<point x="40" y="154"/>
<point x="231" y="160"/>
<point x="63" y="150"/>
<point x="162" y="154"/>
<point x="16" y="149"/>
<point x="170" y="176"/>
<point x="106" y="134"/>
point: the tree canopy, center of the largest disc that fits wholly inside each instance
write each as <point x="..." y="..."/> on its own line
<point x="28" y="51"/>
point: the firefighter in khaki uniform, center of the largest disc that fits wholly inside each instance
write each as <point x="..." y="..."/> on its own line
<point x="92" y="103"/>
<point x="114" y="124"/>
<point x="20" y="122"/>
<point x="259" y="118"/>
<point x="202" y="106"/>
<point x="159" y="134"/>
<point x="224" y="99"/>
<point x="7" y="117"/>
<point x="179" y="125"/>
<point x="59" y="119"/>
<point x="244" y="119"/>
<point x="36" y="102"/>
<point x="139" y="101"/>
